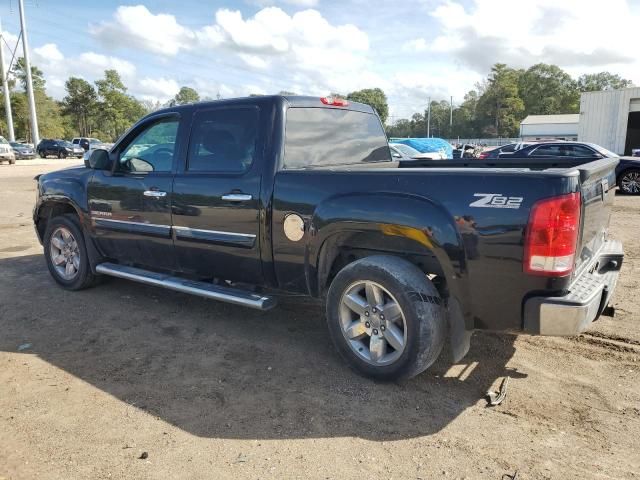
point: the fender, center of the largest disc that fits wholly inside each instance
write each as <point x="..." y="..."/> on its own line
<point x="67" y="188"/>
<point x="401" y="224"/>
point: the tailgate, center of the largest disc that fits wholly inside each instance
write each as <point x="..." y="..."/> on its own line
<point x="597" y="186"/>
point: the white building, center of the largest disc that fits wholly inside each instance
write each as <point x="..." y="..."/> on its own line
<point x="547" y="127"/>
<point x="611" y="119"/>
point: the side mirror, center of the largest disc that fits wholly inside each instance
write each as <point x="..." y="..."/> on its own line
<point x="396" y="155"/>
<point x="99" y="160"/>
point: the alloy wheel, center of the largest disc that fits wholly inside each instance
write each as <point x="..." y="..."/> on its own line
<point x="65" y="253"/>
<point x="373" y="323"/>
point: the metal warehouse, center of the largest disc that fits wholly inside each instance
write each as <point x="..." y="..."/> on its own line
<point x="611" y="119"/>
<point x="557" y="127"/>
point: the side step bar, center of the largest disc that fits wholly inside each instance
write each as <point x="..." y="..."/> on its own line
<point x="202" y="289"/>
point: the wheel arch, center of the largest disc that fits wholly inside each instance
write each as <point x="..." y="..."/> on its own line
<point x="346" y="228"/>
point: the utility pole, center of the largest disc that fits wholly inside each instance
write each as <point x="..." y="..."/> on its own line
<point x="429" y="119"/>
<point x="451" y="113"/>
<point x="5" y="89"/>
<point x="35" y="137"/>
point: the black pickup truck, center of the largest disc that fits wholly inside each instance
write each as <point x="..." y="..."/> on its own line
<point x="242" y="200"/>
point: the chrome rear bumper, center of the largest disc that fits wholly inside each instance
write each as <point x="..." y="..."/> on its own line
<point x="588" y="295"/>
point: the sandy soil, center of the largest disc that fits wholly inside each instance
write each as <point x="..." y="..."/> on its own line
<point x="91" y="380"/>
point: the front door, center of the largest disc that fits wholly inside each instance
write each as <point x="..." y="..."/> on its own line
<point x="131" y="205"/>
<point x="216" y="196"/>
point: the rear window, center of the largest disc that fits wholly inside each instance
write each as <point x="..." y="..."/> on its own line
<point x="324" y="137"/>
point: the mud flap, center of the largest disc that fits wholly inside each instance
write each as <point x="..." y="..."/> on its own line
<point x="459" y="336"/>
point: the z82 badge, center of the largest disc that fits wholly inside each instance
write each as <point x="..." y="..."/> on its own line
<point x="496" y="200"/>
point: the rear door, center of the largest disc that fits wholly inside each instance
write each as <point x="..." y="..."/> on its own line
<point x="131" y="206"/>
<point x="216" y="195"/>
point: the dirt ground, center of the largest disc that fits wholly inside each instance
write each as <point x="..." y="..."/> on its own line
<point x="90" y="380"/>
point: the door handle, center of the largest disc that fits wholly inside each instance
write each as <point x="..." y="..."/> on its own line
<point x="237" y="197"/>
<point x="154" y="193"/>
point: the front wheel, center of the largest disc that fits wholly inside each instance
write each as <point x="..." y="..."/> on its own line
<point x="66" y="253"/>
<point x="385" y="318"/>
<point x="62" y="154"/>
<point x="629" y="182"/>
<point x="42" y="154"/>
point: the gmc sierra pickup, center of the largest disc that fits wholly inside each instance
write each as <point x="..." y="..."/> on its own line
<point x="240" y="200"/>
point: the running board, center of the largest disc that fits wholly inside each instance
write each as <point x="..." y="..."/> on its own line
<point x="202" y="289"/>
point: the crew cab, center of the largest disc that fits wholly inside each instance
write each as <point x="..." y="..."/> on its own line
<point x="240" y="200"/>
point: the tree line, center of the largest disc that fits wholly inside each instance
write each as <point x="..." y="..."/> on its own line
<point x="494" y="108"/>
<point x="497" y="105"/>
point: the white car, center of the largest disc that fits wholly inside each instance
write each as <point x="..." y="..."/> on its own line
<point x="96" y="146"/>
<point x="408" y="153"/>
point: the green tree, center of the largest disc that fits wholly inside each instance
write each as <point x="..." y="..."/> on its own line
<point x="184" y="96"/>
<point x="80" y="104"/>
<point x="594" y="82"/>
<point x="37" y="77"/>
<point x="500" y="108"/>
<point x="373" y="97"/>
<point x="117" y="110"/>
<point x="547" y="90"/>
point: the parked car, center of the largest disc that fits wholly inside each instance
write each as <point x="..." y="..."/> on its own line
<point x="6" y="152"/>
<point x="493" y="153"/>
<point x="85" y="142"/>
<point x="22" y="151"/>
<point x="406" y="152"/>
<point x="95" y="146"/>
<point x="627" y="171"/>
<point x="466" y="150"/>
<point x="207" y="198"/>
<point x="59" y="148"/>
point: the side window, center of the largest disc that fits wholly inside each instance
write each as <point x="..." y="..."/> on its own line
<point x="223" y="140"/>
<point x="546" y="151"/>
<point x="152" y="149"/>
<point x="580" y="151"/>
<point x="75" y="141"/>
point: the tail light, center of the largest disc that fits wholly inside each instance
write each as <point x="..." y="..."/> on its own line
<point x="335" y="101"/>
<point x="552" y="235"/>
<point x="483" y="155"/>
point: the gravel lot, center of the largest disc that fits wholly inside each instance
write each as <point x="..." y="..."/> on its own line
<point x="91" y="380"/>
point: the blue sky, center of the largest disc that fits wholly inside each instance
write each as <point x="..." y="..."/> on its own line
<point x="413" y="49"/>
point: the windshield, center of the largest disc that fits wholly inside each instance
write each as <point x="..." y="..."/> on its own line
<point x="64" y="143"/>
<point x="3" y="140"/>
<point x="406" y="149"/>
<point x="16" y="144"/>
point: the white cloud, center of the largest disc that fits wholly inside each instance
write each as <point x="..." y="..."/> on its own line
<point x="581" y="34"/>
<point x="157" y="89"/>
<point x="415" y="45"/>
<point x="136" y="27"/>
<point x="254" y="61"/>
<point x="96" y="62"/>
<point x="49" y="52"/>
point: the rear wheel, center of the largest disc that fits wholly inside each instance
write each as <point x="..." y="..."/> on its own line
<point x="385" y="317"/>
<point x="66" y="253"/>
<point x="629" y="182"/>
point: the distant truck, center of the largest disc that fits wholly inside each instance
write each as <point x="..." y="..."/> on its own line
<point x="236" y="199"/>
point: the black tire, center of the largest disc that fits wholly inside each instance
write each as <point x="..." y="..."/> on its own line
<point x="42" y="154"/>
<point x="84" y="277"/>
<point x="12" y="162"/>
<point x="62" y="154"/>
<point x="424" y="315"/>
<point x="628" y="181"/>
